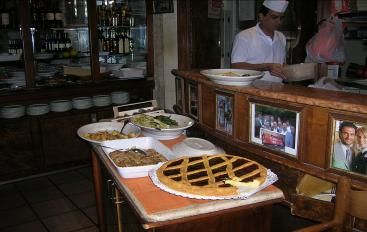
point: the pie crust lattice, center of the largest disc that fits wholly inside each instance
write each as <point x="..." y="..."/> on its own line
<point x="208" y="175"/>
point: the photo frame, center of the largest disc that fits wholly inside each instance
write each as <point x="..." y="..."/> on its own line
<point x="275" y="128"/>
<point x="179" y="92"/>
<point x="192" y="100"/>
<point x="162" y="6"/>
<point x="224" y="113"/>
<point x="348" y="150"/>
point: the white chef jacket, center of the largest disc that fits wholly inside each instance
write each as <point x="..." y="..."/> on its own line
<point x="254" y="46"/>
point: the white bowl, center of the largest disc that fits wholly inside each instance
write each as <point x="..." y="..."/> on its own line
<point x="38" y="109"/>
<point x="101" y="100"/>
<point x="142" y="143"/>
<point x="168" y="133"/>
<point x="12" y="111"/>
<point x="196" y="147"/>
<point x="82" y="103"/>
<point x="60" y="105"/>
<point x="106" y="126"/>
<point x="232" y="77"/>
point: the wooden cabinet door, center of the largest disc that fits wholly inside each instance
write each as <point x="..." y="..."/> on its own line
<point x="60" y="142"/>
<point x="17" y="158"/>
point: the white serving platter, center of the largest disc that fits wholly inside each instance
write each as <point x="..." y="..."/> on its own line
<point x="233" y="77"/>
<point x="168" y="133"/>
<point x="107" y="126"/>
<point x="142" y="143"/>
<point x="196" y="147"/>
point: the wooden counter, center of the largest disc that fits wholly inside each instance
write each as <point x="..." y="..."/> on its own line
<point x="318" y="111"/>
<point x="161" y="211"/>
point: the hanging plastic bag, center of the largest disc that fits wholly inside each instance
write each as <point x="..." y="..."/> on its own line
<point x="327" y="45"/>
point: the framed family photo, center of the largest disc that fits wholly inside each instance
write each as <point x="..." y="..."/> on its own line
<point x="224" y="113"/>
<point x="179" y="92"/>
<point x="349" y="146"/>
<point x="193" y="100"/>
<point x="275" y="128"/>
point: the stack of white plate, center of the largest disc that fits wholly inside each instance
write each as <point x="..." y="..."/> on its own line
<point x="102" y="100"/>
<point x="120" y="97"/>
<point x="61" y="105"/>
<point x="81" y="103"/>
<point x="12" y="111"/>
<point x="38" y="109"/>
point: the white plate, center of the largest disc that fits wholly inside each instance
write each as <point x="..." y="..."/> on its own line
<point x="169" y="133"/>
<point x="196" y="147"/>
<point x="106" y="126"/>
<point x="142" y="143"/>
<point x="221" y="76"/>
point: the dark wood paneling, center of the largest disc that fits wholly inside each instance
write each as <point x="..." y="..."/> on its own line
<point x="241" y="118"/>
<point x="16" y="150"/>
<point x="61" y="144"/>
<point x="315" y="128"/>
<point x="208" y="110"/>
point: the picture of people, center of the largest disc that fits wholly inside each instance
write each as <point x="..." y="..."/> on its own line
<point x="349" y="150"/>
<point x="224" y="113"/>
<point x="275" y="128"/>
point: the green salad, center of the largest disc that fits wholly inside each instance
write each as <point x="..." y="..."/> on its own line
<point x="159" y="122"/>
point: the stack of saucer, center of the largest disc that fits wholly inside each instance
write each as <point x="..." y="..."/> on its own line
<point x="120" y="97"/>
<point x="12" y="111"/>
<point x="61" y="105"/>
<point x="81" y="103"/>
<point x="102" y="100"/>
<point x="38" y="109"/>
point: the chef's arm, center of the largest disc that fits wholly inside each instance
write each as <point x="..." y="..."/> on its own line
<point x="274" y="68"/>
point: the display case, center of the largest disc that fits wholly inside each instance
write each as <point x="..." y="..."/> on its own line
<point x="66" y="47"/>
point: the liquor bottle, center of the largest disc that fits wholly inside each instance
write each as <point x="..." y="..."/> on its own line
<point x="58" y="17"/>
<point x="4" y="16"/>
<point x="67" y="41"/>
<point x="61" y="42"/>
<point x="126" y="43"/>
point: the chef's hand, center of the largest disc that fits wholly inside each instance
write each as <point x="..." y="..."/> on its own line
<point x="277" y="70"/>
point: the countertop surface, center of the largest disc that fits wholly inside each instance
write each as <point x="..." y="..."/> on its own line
<point x="147" y="199"/>
<point x="337" y="100"/>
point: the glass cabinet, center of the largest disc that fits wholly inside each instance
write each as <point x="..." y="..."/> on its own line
<point x="66" y="47"/>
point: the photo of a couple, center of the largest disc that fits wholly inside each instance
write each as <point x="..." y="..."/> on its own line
<point x="350" y="147"/>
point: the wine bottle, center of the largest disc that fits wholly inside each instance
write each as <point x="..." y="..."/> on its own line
<point x="67" y="41"/>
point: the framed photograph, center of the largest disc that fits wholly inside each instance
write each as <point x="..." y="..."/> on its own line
<point x="349" y="146"/>
<point x="224" y="113"/>
<point x="193" y="100"/>
<point x="275" y="128"/>
<point x="162" y="6"/>
<point x="179" y="92"/>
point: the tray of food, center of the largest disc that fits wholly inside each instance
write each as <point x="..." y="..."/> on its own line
<point x="102" y="131"/>
<point x="234" y="77"/>
<point x="131" y="164"/>
<point x="162" y="126"/>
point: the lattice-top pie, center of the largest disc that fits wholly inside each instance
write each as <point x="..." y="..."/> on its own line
<point x="214" y="175"/>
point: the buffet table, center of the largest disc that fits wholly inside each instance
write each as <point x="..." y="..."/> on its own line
<point x="158" y="210"/>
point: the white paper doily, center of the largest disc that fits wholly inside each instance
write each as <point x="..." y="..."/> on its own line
<point x="244" y="192"/>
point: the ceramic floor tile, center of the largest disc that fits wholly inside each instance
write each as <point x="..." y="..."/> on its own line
<point x="83" y="200"/>
<point x="76" y="187"/>
<point x="53" y="207"/>
<point x="92" y="213"/>
<point x="86" y="172"/>
<point x="71" y="221"/>
<point x="43" y="194"/>
<point x="66" y="177"/>
<point x="90" y="229"/>
<point x="34" y="184"/>
<point x="34" y="226"/>
<point x="16" y="216"/>
<point x="11" y="200"/>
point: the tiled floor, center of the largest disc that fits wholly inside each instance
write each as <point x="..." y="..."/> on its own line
<point x="60" y="202"/>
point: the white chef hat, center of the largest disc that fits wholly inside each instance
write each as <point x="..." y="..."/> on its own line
<point x="276" y="5"/>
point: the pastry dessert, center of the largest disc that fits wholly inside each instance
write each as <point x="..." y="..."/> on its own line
<point x="213" y="175"/>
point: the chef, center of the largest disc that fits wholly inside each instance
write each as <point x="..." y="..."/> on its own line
<point x="262" y="47"/>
